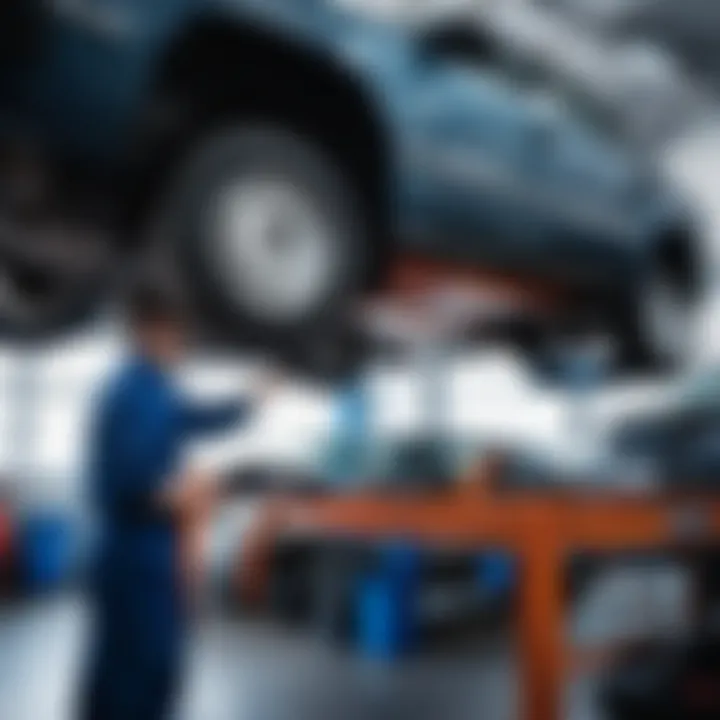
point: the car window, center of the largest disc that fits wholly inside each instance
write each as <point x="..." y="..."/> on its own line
<point x="535" y="76"/>
<point x="472" y="47"/>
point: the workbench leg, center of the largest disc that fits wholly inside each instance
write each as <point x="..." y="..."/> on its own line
<point x="541" y="633"/>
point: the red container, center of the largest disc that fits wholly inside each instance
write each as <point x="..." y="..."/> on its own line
<point x="6" y="544"/>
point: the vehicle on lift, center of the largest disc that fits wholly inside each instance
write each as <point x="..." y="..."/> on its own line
<point x="279" y="154"/>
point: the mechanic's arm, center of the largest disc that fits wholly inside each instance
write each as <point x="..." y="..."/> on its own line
<point x="209" y="419"/>
<point x="206" y="420"/>
<point x="145" y="485"/>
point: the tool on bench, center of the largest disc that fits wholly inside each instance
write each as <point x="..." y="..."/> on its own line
<point x="258" y="480"/>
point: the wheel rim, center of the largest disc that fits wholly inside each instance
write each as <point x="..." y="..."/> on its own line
<point x="273" y="250"/>
<point x="667" y="319"/>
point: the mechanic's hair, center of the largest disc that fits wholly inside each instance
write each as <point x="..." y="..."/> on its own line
<point x="152" y="304"/>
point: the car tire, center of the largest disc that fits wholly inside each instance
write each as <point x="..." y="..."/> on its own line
<point x="271" y="243"/>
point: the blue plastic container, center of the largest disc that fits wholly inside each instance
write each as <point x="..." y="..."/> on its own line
<point x="496" y="574"/>
<point x="387" y="616"/>
<point x="45" y="551"/>
<point x="385" y="629"/>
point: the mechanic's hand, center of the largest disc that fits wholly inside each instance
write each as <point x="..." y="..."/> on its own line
<point x="203" y="494"/>
<point x="194" y="529"/>
<point x="194" y="494"/>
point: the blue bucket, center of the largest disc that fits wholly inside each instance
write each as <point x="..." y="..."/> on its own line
<point x="496" y="573"/>
<point x="387" y="616"/>
<point x="385" y="625"/>
<point x="45" y="552"/>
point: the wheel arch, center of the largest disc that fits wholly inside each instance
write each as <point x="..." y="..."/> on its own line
<point x="198" y="87"/>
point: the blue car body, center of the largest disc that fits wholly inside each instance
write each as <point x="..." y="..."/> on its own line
<point x="472" y="159"/>
<point x="474" y="167"/>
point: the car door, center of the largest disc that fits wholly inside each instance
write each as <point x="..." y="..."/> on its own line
<point x="463" y="145"/>
<point x="586" y="192"/>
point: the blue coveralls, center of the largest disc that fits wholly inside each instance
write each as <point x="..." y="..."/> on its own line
<point x="141" y="425"/>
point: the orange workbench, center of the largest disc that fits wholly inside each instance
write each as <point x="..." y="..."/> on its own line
<point x="541" y="530"/>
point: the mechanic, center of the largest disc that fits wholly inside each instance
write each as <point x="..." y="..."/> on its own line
<point x="149" y="508"/>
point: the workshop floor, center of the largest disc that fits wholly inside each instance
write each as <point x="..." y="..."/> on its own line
<point x="243" y="671"/>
